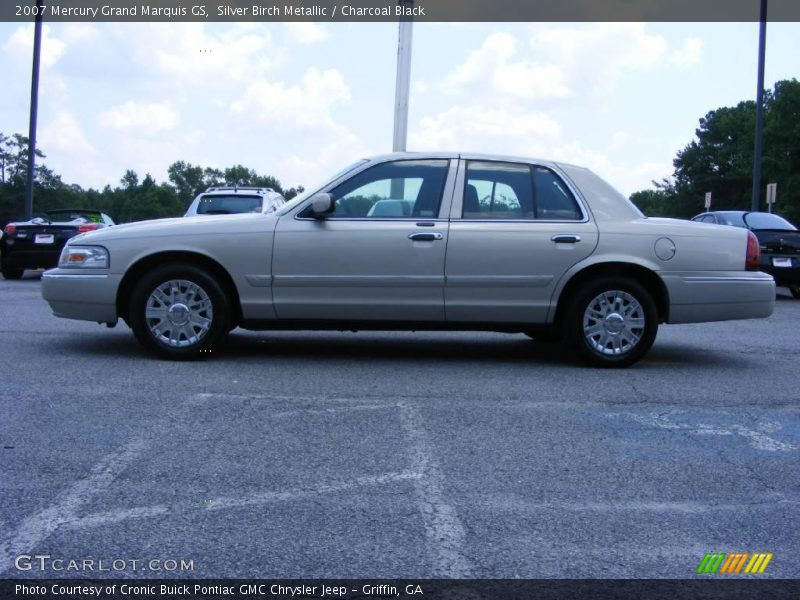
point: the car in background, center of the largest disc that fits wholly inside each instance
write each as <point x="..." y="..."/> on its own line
<point x="779" y="241"/>
<point x="391" y="208"/>
<point x="235" y="200"/>
<point x="37" y="244"/>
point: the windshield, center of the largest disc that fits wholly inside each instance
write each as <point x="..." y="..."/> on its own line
<point x="314" y="189"/>
<point x="758" y="220"/>
<point x="219" y="204"/>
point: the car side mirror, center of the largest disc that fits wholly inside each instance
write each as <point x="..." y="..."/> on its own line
<point x="321" y="205"/>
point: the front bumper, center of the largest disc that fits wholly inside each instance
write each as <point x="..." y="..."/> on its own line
<point x="81" y="295"/>
<point x="699" y="296"/>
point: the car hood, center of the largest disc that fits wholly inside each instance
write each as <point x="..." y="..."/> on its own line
<point x="179" y="226"/>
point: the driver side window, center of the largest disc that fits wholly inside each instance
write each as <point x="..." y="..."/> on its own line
<point x="404" y="189"/>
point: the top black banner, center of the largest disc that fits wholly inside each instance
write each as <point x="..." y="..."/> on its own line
<point x="393" y="10"/>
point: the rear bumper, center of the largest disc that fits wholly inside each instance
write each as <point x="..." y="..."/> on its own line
<point x="785" y="276"/>
<point x="718" y="296"/>
<point x="84" y="296"/>
<point x="31" y="258"/>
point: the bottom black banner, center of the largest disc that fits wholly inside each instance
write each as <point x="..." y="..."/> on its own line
<point x="423" y="589"/>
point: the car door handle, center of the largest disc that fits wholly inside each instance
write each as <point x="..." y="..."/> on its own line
<point x="425" y="237"/>
<point x="566" y="239"/>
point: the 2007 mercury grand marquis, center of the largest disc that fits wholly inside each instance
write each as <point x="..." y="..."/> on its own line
<point x="461" y="241"/>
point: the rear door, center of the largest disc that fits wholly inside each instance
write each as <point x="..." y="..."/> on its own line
<point x="363" y="263"/>
<point x="515" y="229"/>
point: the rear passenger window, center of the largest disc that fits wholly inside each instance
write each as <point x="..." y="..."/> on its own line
<point x="511" y="191"/>
<point x="554" y="201"/>
<point x="496" y="190"/>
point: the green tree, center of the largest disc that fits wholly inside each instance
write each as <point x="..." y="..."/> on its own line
<point x="132" y="200"/>
<point x="720" y="159"/>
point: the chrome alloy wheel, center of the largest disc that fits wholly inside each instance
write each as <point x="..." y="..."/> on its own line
<point x="613" y="323"/>
<point x="179" y="313"/>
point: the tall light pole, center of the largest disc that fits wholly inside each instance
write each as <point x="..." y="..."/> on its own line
<point x="37" y="50"/>
<point x="762" y="41"/>
<point x="403" y="80"/>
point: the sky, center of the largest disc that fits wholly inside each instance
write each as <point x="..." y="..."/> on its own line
<point x="301" y="100"/>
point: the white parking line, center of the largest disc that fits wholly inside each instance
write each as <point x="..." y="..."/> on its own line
<point x="757" y="438"/>
<point x="443" y="528"/>
<point x="37" y="527"/>
<point x="228" y="502"/>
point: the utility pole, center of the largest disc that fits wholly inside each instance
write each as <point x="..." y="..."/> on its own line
<point x="762" y="40"/>
<point x="403" y="80"/>
<point x="37" y="51"/>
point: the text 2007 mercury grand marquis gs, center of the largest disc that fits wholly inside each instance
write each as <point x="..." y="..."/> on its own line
<point x="483" y="243"/>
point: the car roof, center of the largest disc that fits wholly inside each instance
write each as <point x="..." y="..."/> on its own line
<point x="464" y="155"/>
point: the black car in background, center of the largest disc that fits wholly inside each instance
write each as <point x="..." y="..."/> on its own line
<point x="779" y="241"/>
<point x="37" y="244"/>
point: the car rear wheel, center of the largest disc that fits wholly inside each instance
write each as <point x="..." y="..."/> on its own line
<point x="795" y="290"/>
<point x="12" y="272"/>
<point x="612" y="322"/>
<point x="179" y="312"/>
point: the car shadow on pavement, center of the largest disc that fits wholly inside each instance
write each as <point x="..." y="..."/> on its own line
<point x="499" y="348"/>
<point x="246" y="347"/>
<point x="371" y="346"/>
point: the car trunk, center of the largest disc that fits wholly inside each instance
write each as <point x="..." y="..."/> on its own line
<point x="38" y="245"/>
<point x="778" y="241"/>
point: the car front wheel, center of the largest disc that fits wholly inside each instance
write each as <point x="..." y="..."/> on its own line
<point x="795" y="290"/>
<point x="612" y="322"/>
<point x="179" y="312"/>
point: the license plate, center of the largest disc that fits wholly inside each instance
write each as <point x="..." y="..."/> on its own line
<point x="781" y="262"/>
<point x="44" y="238"/>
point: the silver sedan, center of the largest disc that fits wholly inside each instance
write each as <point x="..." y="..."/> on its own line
<point x="482" y="243"/>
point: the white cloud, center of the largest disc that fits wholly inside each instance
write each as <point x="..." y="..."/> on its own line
<point x="625" y="174"/>
<point x="306" y="32"/>
<point x="594" y="57"/>
<point x="76" y="33"/>
<point x="689" y="54"/>
<point x="307" y="104"/>
<point x="483" y="129"/>
<point x="138" y="119"/>
<point x="64" y="134"/>
<point x="193" y="53"/>
<point x="20" y="46"/>
<point x="492" y="66"/>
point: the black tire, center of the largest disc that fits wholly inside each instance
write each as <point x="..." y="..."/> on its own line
<point x="795" y="290"/>
<point x="207" y="340"/>
<point x="12" y="272"/>
<point x="622" y="348"/>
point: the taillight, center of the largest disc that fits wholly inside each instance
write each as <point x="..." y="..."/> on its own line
<point x="10" y="228"/>
<point x="752" y="261"/>
<point x="87" y="227"/>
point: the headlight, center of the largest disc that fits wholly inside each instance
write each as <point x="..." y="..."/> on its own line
<point x="83" y="257"/>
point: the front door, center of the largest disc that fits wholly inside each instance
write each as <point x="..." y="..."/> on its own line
<point x="378" y="257"/>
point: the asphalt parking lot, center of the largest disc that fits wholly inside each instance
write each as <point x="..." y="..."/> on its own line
<point x="396" y="454"/>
